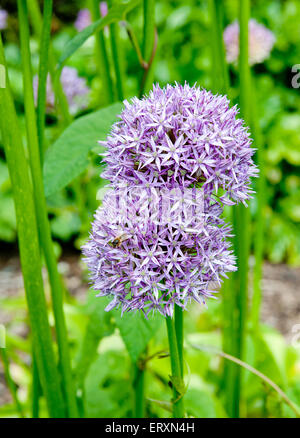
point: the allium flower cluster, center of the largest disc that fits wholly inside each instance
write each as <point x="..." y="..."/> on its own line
<point x="261" y="42"/>
<point x="75" y="88"/>
<point x="181" y="136"/>
<point x="83" y="19"/>
<point x="174" y="158"/>
<point x="150" y="249"/>
<point x="3" y="19"/>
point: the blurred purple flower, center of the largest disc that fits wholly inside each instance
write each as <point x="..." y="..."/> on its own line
<point x="181" y="136"/>
<point x="261" y="41"/>
<point x="83" y="19"/>
<point x="75" y="88"/>
<point x="84" y="16"/>
<point x="3" y="19"/>
<point x="103" y="9"/>
<point x="146" y="259"/>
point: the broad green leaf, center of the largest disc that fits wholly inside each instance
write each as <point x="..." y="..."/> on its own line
<point x="107" y="387"/>
<point x="116" y="13"/>
<point x="67" y="158"/>
<point x="136" y="331"/>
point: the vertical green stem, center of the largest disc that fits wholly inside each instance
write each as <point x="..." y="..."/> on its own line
<point x="43" y="71"/>
<point x="61" y="100"/>
<point x="41" y="213"/>
<point x="102" y="57"/>
<point x="148" y="43"/>
<point x="241" y="222"/>
<point x="139" y="383"/>
<point x="36" y="388"/>
<point x="260" y="217"/>
<point x="179" y="334"/>
<point x="10" y="382"/>
<point x="177" y="382"/>
<point x="117" y="60"/>
<point x="220" y="78"/>
<point x="29" y="249"/>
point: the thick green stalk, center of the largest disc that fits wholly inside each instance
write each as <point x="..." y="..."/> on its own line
<point x="179" y="334"/>
<point x="241" y="219"/>
<point x="244" y="226"/>
<point x="220" y="78"/>
<point x="260" y="217"/>
<point x="29" y="249"/>
<point x="177" y="381"/>
<point x="41" y="213"/>
<point x="36" y="388"/>
<point x="102" y="57"/>
<point x="10" y="383"/>
<point x="61" y="100"/>
<point x="43" y="71"/>
<point x="148" y="44"/>
<point x="139" y="383"/>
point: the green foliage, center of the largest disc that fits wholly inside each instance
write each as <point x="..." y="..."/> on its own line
<point x="67" y="158"/>
<point x="136" y="331"/>
<point x="107" y="387"/>
<point x="117" y="12"/>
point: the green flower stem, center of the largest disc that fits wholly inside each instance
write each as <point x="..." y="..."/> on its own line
<point x="177" y="382"/>
<point x="117" y="60"/>
<point x="36" y="388"/>
<point x="260" y="216"/>
<point x="38" y="27"/>
<point x="43" y="71"/>
<point x="102" y="57"/>
<point x="179" y="334"/>
<point x="148" y="44"/>
<point x="41" y="213"/>
<point x="10" y="383"/>
<point x="139" y="384"/>
<point x="220" y="82"/>
<point x="220" y="77"/>
<point x="134" y="42"/>
<point x="241" y="220"/>
<point x="29" y="249"/>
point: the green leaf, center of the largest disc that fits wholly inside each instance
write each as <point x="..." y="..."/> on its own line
<point x="107" y="387"/>
<point x="116" y="13"/>
<point x="136" y="331"/>
<point x="67" y="158"/>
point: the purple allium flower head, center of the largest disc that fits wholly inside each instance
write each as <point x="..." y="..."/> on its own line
<point x="152" y="248"/>
<point x="181" y="136"/>
<point x="75" y="88"/>
<point x="261" y="41"/>
<point x="83" y="19"/>
<point x="3" y="19"/>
